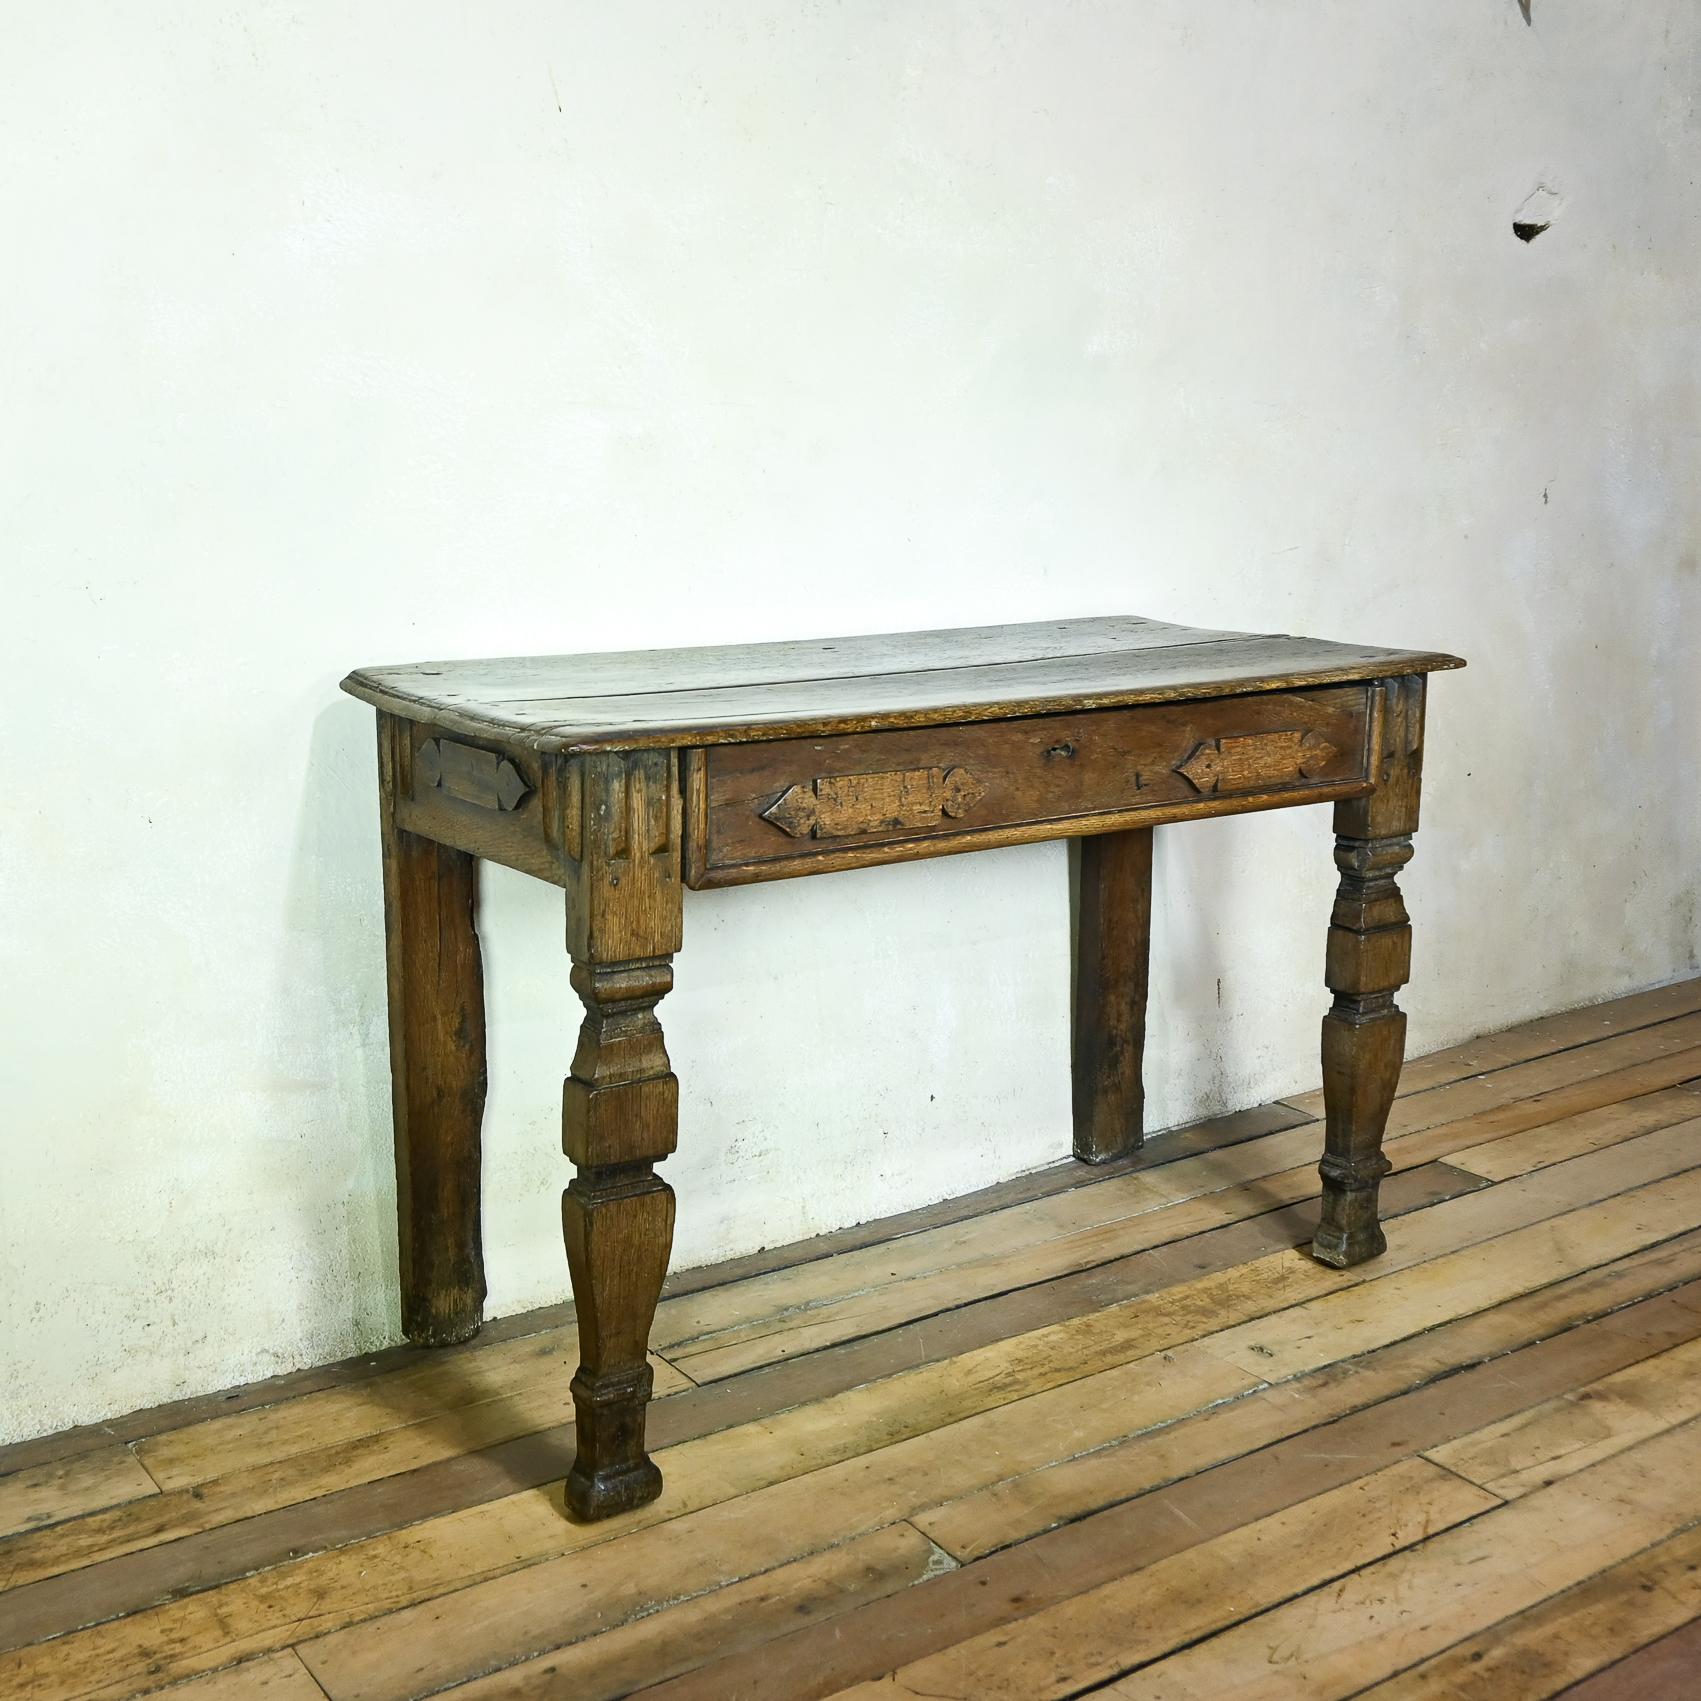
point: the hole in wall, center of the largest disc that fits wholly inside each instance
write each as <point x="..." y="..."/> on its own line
<point x="1537" y="213"/>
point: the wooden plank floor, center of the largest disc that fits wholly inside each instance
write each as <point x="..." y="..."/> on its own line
<point x="1087" y="1433"/>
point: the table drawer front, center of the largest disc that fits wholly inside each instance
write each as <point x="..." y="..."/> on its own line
<point x="790" y="806"/>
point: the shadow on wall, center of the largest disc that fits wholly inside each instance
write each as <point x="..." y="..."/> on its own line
<point x="1190" y="965"/>
<point x="329" y="1024"/>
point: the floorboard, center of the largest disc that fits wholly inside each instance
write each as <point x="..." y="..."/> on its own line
<point x="1088" y="1432"/>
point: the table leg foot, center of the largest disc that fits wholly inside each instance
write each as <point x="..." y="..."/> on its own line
<point x="612" y="1473"/>
<point x="1350" y="1229"/>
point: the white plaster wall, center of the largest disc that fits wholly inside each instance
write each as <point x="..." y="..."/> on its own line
<point x="336" y="334"/>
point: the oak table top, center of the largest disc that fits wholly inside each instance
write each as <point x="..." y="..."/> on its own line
<point x="627" y="778"/>
<point x="735" y="693"/>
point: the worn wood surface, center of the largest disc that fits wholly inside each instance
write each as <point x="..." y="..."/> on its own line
<point x="481" y="799"/>
<point x="838" y="857"/>
<point x="1120" y="1434"/>
<point x="60" y="1489"/>
<point x="1209" y="1585"/>
<point x="437" y="1062"/>
<point x="788" y="806"/>
<point x="1113" y="942"/>
<point x="738" y="693"/>
<point x="1411" y="1604"/>
<point x="616" y="818"/>
<point x="1369" y="960"/>
<point x="1668" y="1667"/>
<point x="625" y="778"/>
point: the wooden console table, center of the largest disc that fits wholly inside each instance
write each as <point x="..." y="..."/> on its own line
<point x="626" y="778"/>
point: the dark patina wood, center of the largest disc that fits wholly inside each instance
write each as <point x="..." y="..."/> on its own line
<point x="626" y="778"/>
<point x="1113" y="933"/>
<point x="802" y="805"/>
<point x="437" y="1066"/>
<point x="1369" y="960"/>
<point x="616" y="820"/>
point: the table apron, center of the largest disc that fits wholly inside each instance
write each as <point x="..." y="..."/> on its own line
<point x="785" y="807"/>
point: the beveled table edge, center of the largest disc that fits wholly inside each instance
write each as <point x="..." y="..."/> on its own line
<point x="755" y="729"/>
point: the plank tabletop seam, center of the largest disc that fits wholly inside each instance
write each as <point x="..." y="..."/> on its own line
<point x="661" y="697"/>
<point x="1202" y="640"/>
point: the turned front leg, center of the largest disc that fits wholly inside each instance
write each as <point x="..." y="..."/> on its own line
<point x="617" y="815"/>
<point x="620" y="1113"/>
<point x="437" y="1066"/>
<point x="1369" y="959"/>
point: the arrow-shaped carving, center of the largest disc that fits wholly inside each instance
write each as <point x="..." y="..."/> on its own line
<point x="474" y="776"/>
<point x="794" y="811"/>
<point x="511" y="787"/>
<point x="836" y="805"/>
<point x="1262" y="759"/>
<point x="962" y="792"/>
